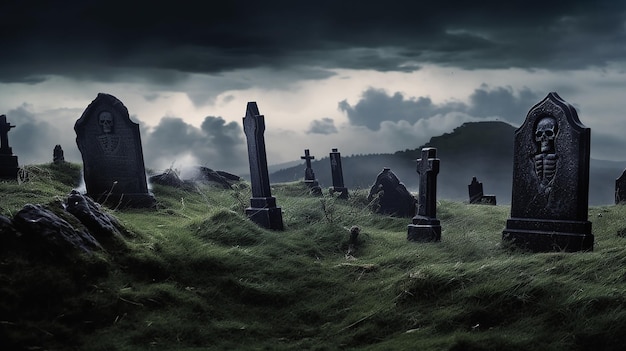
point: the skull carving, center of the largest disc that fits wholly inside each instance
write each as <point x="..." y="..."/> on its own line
<point x="105" y="119"/>
<point x="545" y="133"/>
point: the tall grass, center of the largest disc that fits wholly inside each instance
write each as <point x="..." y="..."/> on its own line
<point x="196" y="274"/>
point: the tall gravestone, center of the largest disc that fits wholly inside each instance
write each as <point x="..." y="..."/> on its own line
<point x="425" y="226"/>
<point x="309" y="175"/>
<point x="393" y="197"/>
<point x="337" y="175"/>
<point x="8" y="162"/>
<point x="549" y="203"/>
<point x="57" y="155"/>
<point x="263" y="210"/>
<point x="110" y="145"/>
<point x="620" y="189"/>
<point x="477" y="196"/>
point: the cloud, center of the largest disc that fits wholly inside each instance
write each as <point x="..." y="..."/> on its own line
<point x="322" y="126"/>
<point x="377" y="106"/>
<point x="216" y="144"/>
<point x="119" y="39"/>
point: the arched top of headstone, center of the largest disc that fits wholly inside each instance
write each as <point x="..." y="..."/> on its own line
<point x="106" y="110"/>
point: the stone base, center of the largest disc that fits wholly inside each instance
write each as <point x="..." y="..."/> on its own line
<point x="343" y="192"/>
<point x="314" y="187"/>
<point x="537" y="235"/>
<point x="484" y="200"/>
<point x="125" y="200"/>
<point x="424" y="230"/>
<point x="263" y="212"/>
<point x="8" y="167"/>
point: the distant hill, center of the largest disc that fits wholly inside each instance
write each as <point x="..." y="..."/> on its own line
<point x="474" y="149"/>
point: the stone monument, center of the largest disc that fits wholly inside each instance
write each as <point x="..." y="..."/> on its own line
<point x="8" y="162"/>
<point x="620" y="189"/>
<point x="309" y="175"/>
<point x="263" y="210"/>
<point x="425" y="226"/>
<point x="549" y="203"/>
<point x="57" y="155"/>
<point x="337" y="174"/>
<point x="476" y="195"/>
<point x="110" y="145"/>
<point x="393" y="197"/>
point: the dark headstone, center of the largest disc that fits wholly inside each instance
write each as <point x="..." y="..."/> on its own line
<point x="337" y="175"/>
<point x="309" y="175"/>
<point x="263" y="210"/>
<point x="426" y="227"/>
<point x="475" y="189"/>
<point x="57" y="155"/>
<point x="393" y="197"/>
<point x="620" y="189"/>
<point x="549" y="204"/>
<point x="8" y="162"/>
<point x="113" y="164"/>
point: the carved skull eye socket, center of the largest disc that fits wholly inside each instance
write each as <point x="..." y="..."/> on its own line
<point x="540" y="133"/>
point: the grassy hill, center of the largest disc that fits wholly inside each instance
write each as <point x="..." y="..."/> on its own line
<point x="195" y="274"/>
<point x="474" y="149"/>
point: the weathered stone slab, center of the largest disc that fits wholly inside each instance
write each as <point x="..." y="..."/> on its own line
<point x="337" y="175"/>
<point x="549" y="205"/>
<point x="263" y="210"/>
<point x="393" y="197"/>
<point x="476" y="195"/>
<point x="113" y="164"/>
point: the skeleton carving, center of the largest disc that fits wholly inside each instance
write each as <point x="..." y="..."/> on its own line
<point x="105" y="119"/>
<point x="545" y="160"/>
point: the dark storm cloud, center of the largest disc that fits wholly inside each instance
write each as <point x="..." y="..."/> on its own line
<point x="376" y="106"/>
<point x="216" y="144"/>
<point x="322" y="126"/>
<point x="163" y="41"/>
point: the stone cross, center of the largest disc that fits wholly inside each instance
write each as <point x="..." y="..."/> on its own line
<point x="337" y="174"/>
<point x="263" y="210"/>
<point x="428" y="168"/>
<point x="425" y="226"/>
<point x="308" y="172"/>
<point x="4" y="136"/>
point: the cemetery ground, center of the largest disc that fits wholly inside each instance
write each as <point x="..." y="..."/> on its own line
<point x="196" y="274"/>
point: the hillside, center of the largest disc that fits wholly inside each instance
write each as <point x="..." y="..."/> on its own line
<point x="195" y="274"/>
<point x="476" y="149"/>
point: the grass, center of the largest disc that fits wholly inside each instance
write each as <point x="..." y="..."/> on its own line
<point x="196" y="274"/>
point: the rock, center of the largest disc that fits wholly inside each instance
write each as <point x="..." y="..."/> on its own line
<point x="99" y="223"/>
<point x="222" y="178"/>
<point x="46" y="232"/>
<point x="167" y="178"/>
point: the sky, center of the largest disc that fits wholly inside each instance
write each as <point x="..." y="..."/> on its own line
<point x="361" y="76"/>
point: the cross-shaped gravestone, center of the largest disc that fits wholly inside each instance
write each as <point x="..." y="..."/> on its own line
<point x="309" y="175"/>
<point x="263" y="210"/>
<point x="425" y="226"/>
<point x="337" y="174"/>
<point x="8" y="162"/>
<point x="308" y="172"/>
<point x="4" y="136"/>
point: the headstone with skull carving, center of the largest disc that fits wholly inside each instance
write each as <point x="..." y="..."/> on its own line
<point x="113" y="165"/>
<point x="549" y="202"/>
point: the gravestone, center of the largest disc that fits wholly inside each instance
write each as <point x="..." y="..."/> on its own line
<point x="8" y="162"/>
<point x="57" y="155"/>
<point x="309" y="175"/>
<point x="549" y="203"/>
<point x="476" y="195"/>
<point x="393" y="197"/>
<point x="620" y="189"/>
<point x="263" y="210"/>
<point x="110" y="145"/>
<point x="337" y="175"/>
<point x="425" y="226"/>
